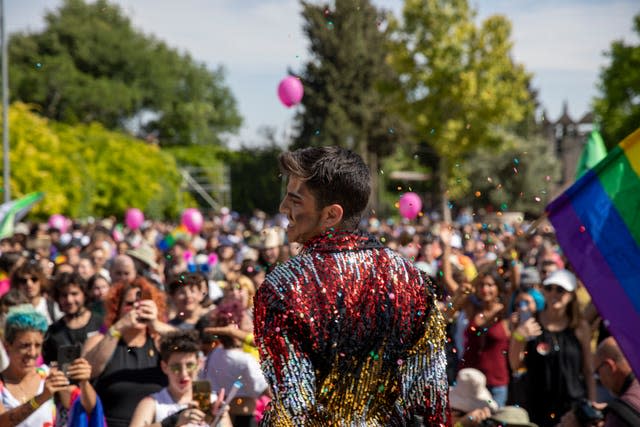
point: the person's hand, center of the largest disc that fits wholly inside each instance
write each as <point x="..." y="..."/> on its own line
<point x="218" y="404"/>
<point x="530" y="328"/>
<point x="227" y="330"/>
<point x="475" y="417"/>
<point x="191" y="415"/>
<point x="56" y="381"/>
<point x="445" y="234"/>
<point x="147" y="311"/>
<point x="569" y="420"/>
<point x="127" y="321"/>
<point x="79" y="370"/>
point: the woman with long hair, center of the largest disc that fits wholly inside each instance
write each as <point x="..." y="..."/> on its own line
<point x="30" y="279"/>
<point x="125" y="359"/>
<point x="487" y="334"/>
<point x="554" y="348"/>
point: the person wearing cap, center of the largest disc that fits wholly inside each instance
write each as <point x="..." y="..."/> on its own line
<point x="554" y="348"/>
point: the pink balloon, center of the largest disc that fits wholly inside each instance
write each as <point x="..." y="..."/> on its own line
<point x="410" y="205"/>
<point x="134" y="218"/>
<point x="192" y="220"/>
<point x="59" y="221"/>
<point x="290" y="91"/>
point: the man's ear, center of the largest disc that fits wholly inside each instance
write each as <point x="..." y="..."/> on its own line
<point x="164" y="367"/>
<point x="332" y="216"/>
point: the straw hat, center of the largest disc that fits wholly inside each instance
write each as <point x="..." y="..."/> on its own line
<point x="470" y="392"/>
<point x="513" y="416"/>
<point x="144" y="254"/>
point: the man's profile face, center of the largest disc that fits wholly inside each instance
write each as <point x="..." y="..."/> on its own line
<point x="300" y="206"/>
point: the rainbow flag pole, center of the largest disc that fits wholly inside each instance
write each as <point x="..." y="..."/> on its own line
<point x="597" y="222"/>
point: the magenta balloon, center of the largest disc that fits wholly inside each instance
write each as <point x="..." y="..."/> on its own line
<point x="134" y="218"/>
<point x="290" y="91"/>
<point x="410" y="205"/>
<point x="58" y="221"/>
<point x="192" y="220"/>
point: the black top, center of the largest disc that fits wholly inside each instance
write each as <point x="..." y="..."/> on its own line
<point x="555" y="376"/>
<point x="131" y="374"/>
<point x="60" y="334"/>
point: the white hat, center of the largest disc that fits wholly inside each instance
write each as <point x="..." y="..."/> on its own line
<point x="470" y="392"/>
<point x="563" y="278"/>
<point x="145" y="254"/>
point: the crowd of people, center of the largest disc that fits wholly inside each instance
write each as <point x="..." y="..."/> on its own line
<point x="103" y="324"/>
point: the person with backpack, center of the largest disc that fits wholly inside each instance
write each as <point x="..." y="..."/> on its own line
<point x="616" y="375"/>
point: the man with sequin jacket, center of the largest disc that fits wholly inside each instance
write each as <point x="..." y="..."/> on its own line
<point x="348" y="331"/>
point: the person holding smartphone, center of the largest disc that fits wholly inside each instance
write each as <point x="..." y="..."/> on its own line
<point x="27" y="391"/>
<point x="71" y="293"/>
<point x="175" y="405"/>
<point x="135" y="321"/>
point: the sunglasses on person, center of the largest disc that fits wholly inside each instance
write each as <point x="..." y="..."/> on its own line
<point x="555" y="288"/>
<point x="24" y="280"/>
<point x="177" y="368"/>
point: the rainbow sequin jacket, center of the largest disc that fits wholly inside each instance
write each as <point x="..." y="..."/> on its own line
<point x="349" y="335"/>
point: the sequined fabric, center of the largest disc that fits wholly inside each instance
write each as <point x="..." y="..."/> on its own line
<point x="349" y="335"/>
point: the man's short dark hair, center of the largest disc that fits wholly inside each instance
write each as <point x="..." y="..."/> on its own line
<point x="333" y="175"/>
<point x="179" y="342"/>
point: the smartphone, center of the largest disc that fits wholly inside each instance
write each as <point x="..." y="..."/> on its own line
<point x="201" y="391"/>
<point x="66" y="355"/>
<point x="524" y="313"/>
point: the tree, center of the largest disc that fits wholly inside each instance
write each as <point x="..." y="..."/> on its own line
<point x="518" y="177"/>
<point x="618" y="106"/>
<point x="89" y="64"/>
<point x="87" y="170"/>
<point x="348" y="83"/>
<point x="460" y="83"/>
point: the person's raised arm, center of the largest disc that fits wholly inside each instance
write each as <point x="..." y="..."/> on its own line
<point x="99" y="348"/>
<point x="529" y="329"/>
<point x="80" y="371"/>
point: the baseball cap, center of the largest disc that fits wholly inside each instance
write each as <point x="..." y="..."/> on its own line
<point x="563" y="278"/>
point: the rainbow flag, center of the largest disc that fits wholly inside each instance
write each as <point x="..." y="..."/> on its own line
<point x="597" y="222"/>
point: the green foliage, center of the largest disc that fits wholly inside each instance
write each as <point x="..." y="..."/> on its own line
<point x="519" y="177"/>
<point x="618" y="106"/>
<point x="460" y="83"/>
<point x="257" y="183"/>
<point x="89" y="64"/>
<point x="87" y="170"/>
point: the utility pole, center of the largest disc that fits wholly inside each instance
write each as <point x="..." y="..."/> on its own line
<point x="5" y="109"/>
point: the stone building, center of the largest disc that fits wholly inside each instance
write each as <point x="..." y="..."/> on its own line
<point x="568" y="137"/>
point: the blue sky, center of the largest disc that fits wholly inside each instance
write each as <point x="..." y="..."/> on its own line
<point x="560" y="41"/>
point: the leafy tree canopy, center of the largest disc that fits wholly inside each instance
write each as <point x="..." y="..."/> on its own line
<point x="460" y="82"/>
<point x="88" y="170"/>
<point x="618" y="106"/>
<point x="89" y="64"/>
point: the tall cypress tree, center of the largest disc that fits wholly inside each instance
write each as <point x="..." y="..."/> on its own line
<point x="348" y="83"/>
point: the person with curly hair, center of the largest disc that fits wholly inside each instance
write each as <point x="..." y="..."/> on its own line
<point x="135" y="318"/>
<point x="174" y="405"/>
